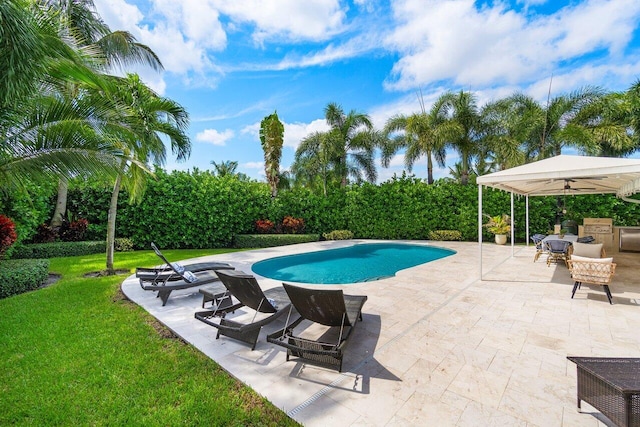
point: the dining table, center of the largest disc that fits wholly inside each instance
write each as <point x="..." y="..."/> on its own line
<point x="568" y="237"/>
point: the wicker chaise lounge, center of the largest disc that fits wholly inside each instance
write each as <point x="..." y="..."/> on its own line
<point x="324" y="306"/>
<point x="181" y="278"/>
<point x="172" y="271"/>
<point x="245" y="288"/>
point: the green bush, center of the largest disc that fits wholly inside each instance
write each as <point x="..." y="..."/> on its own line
<point x="270" y="240"/>
<point x="123" y="244"/>
<point x="59" y="249"/>
<point x="338" y="235"/>
<point x="196" y="209"/>
<point x="445" y="235"/>
<point x="22" y="275"/>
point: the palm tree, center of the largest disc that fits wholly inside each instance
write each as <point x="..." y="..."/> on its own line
<point x="559" y="124"/>
<point x="83" y="29"/>
<point x="354" y="139"/>
<point x="145" y="119"/>
<point x="345" y="150"/>
<point x="225" y="168"/>
<point x="504" y="130"/>
<point x="608" y="124"/>
<point x="463" y="110"/>
<point x="272" y="139"/>
<point x="313" y="162"/>
<point x="425" y="134"/>
<point x="43" y="135"/>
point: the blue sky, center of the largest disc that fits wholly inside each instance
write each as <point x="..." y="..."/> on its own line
<point x="230" y="63"/>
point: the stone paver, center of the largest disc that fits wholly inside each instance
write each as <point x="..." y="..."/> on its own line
<point x="437" y="346"/>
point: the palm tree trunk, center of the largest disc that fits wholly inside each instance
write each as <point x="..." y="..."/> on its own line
<point x="429" y="169"/>
<point x="464" y="177"/>
<point x="61" y="203"/>
<point x="111" y="225"/>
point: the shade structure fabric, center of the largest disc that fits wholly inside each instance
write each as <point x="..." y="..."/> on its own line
<point x="562" y="175"/>
<point x="565" y="174"/>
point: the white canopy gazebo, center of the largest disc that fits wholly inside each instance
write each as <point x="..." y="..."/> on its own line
<point x="562" y="175"/>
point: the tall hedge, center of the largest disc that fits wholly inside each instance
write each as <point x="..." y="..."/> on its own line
<point x="198" y="210"/>
<point x="193" y="210"/>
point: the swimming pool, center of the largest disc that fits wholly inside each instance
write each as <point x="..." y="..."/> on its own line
<point x="352" y="264"/>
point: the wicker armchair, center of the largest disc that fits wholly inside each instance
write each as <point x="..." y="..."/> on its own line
<point x="595" y="271"/>
<point x="557" y="250"/>
<point x="537" y="240"/>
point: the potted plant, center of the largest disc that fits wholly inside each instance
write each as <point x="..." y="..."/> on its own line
<point x="499" y="226"/>
<point x="563" y="231"/>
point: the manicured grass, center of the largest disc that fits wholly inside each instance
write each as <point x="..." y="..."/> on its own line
<point x="78" y="353"/>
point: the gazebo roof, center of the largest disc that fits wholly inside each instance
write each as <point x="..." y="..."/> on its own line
<point x="569" y="175"/>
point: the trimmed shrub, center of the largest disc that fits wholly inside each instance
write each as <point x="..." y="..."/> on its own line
<point x="122" y="244"/>
<point x="338" y="235"/>
<point x="22" y="275"/>
<point x="59" y="249"/>
<point x="445" y="235"/>
<point x="269" y="240"/>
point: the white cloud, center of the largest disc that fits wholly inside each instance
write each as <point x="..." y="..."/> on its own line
<point x="253" y="165"/>
<point x="182" y="34"/>
<point x="293" y="132"/>
<point x="296" y="132"/>
<point x="444" y="40"/>
<point x="292" y="19"/>
<point x="528" y="3"/>
<point x="198" y="20"/>
<point x="214" y="137"/>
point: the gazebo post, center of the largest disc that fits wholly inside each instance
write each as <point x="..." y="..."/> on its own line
<point x="480" y="226"/>
<point x="527" y="215"/>
<point x="513" y="231"/>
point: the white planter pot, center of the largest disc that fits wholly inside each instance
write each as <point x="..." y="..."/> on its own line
<point x="501" y="239"/>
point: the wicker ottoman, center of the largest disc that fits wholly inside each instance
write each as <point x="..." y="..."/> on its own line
<point x="612" y="386"/>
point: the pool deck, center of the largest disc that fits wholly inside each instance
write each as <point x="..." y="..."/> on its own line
<point x="437" y="346"/>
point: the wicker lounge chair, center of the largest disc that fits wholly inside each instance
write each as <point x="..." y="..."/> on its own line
<point x="271" y="303"/>
<point x="182" y="279"/>
<point x="172" y="271"/>
<point x="595" y="271"/>
<point x="324" y="306"/>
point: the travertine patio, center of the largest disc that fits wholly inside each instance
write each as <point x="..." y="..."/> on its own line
<point x="438" y="346"/>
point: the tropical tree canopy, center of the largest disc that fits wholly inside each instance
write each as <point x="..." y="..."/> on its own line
<point x="272" y="139"/>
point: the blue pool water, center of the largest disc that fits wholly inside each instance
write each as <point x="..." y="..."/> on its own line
<point x="359" y="263"/>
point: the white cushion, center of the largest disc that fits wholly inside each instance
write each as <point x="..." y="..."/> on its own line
<point x="190" y="277"/>
<point x="178" y="267"/>
<point x="587" y="259"/>
<point x="589" y="250"/>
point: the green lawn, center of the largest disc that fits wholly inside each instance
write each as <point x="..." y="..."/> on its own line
<point x="78" y="353"/>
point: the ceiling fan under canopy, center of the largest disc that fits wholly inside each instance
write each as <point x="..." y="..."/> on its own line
<point x="568" y="187"/>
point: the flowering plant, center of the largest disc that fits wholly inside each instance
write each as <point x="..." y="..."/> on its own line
<point x="8" y="234"/>
<point x="292" y="225"/>
<point x="74" y="231"/>
<point x="264" y="226"/>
